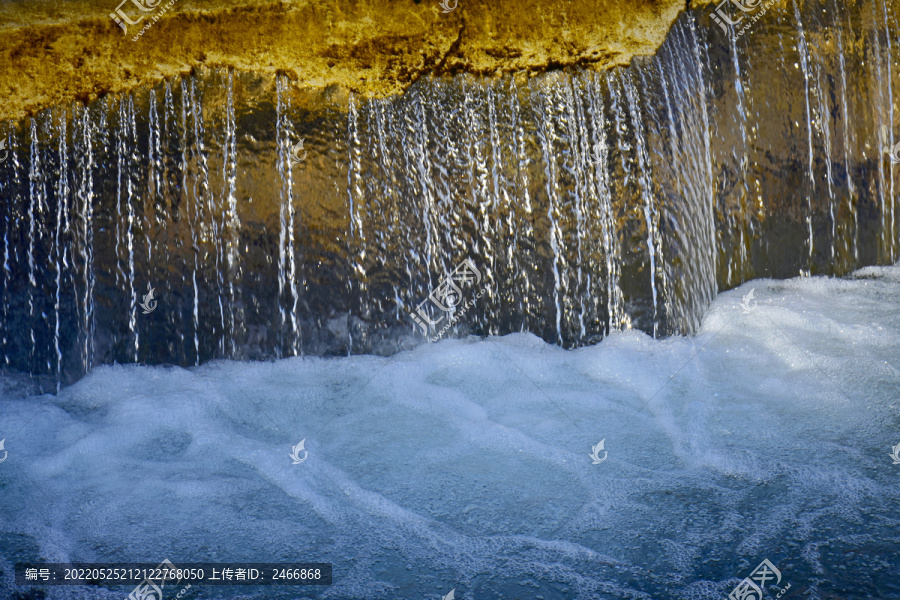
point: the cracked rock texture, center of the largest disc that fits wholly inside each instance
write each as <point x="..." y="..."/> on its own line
<point x="61" y="51"/>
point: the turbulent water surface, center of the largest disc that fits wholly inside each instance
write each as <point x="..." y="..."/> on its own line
<point x="465" y="464"/>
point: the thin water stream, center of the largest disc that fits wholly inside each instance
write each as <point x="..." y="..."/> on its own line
<point x="589" y="202"/>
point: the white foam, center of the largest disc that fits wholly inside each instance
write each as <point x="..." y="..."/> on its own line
<point x="465" y="463"/>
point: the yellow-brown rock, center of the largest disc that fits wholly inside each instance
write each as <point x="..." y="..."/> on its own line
<point x="53" y="53"/>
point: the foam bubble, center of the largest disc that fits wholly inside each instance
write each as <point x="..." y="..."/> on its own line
<point x="466" y="463"/>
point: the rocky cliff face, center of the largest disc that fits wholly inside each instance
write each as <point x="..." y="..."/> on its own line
<point x="59" y="52"/>
<point x="274" y="213"/>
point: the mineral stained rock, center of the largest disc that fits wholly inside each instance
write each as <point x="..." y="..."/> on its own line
<point x="56" y="52"/>
<point x="277" y="215"/>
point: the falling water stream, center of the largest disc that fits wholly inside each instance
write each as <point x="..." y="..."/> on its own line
<point x="589" y="202"/>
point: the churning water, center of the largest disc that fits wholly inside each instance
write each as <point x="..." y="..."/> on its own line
<point x="183" y="231"/>
<point x="465" y="464"/>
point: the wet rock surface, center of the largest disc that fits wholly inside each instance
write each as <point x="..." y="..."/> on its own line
<point x="59" y="52"/>
<point x="588" y="201"/>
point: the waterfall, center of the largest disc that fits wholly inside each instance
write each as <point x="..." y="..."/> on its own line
<point x="84" y="157"/>
<point x="35" y="210"/>
<point x="654" y="243"/>
<point x="125" y="190"/>
<point x="741" y="225"/>
<point x="546" y="137"/>
<point x="356" y="282"/>
<point x="589" y="202"/>
<point x="7" y="275"/>
<point x="287" y="267"/>
<point x="231" y="238"/>
<point x="838" y="29"/>
<point x="883" y="64"/>
<point x="803" y="51"/>
<point x="60" y="247"/>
